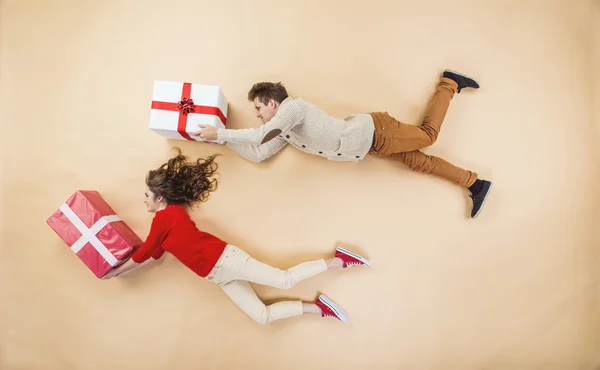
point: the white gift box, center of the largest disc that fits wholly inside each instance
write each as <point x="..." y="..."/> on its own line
<point x="179" y="107"/>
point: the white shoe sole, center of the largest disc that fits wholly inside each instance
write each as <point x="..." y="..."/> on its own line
<point x="335" y="308"/>
<point x="484" y="199"/>
<point x="353" y="255"/>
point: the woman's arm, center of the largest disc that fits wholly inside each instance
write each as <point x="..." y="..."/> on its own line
<point x="150" y="248"/>
<point x="161" y="225"/>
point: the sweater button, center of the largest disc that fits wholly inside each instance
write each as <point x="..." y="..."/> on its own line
<point x="358" y="156"/>
<point x="320" y="152"/>
<point x="304" y="146"/>
<point x="339" y="153"/>
<point x="287" y="136"/>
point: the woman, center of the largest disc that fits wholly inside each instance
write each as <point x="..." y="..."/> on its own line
<point x="179" y="183"/>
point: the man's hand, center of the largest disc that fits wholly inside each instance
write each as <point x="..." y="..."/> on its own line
<point x="207" y="132"/>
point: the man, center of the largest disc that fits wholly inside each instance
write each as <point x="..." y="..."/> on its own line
<point x="306" y="127"/>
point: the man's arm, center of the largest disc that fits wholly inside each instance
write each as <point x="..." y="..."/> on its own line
<point x="258" y="153"/>
<point x="288" y="116"/>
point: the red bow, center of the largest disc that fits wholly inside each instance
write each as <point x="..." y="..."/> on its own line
<point x="186" y="105"/>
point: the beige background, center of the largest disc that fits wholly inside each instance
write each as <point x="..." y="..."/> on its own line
<point x="515" y="289"/>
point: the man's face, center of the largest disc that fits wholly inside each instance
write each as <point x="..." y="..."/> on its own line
<point x="265" y="112"/>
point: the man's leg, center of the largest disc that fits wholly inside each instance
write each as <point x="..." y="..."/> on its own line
<point x="401" y="141"/>
<point x="393" y="136"/>
<point x="421" y="162"/>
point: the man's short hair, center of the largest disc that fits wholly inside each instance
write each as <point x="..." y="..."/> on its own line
<point x="266" y="91"/>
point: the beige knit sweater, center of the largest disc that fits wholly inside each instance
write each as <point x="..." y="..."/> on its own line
<point x="307" y="128"/>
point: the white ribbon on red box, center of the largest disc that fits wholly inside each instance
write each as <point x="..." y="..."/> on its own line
<point x="89" y="234"/>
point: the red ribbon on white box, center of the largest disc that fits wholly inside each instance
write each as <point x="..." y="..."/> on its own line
<point x="186" y="106"/>
<point x="89" y="234"/>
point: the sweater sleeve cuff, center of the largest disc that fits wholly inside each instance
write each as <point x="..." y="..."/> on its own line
<point x="137" y="258"/>
<point x="222" y="134"/>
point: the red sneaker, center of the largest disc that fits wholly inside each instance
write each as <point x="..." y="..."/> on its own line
<point x="330" y="309"/>
<point x="350" y="259"/>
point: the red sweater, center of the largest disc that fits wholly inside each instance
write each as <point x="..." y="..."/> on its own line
<point x="174" y="231"/>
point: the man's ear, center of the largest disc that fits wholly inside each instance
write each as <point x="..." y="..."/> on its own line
<point x="273" y="103"/>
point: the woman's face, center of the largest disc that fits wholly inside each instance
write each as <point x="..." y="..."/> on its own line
<point x="153" y="203"/>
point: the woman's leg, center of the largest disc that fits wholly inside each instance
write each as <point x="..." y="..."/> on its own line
<point x="236" y="268"/>
<point x="242" y="294"/>
<point x="238" y="265"/>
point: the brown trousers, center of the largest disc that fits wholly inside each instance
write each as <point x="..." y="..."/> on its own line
<point x="401" y="141"/>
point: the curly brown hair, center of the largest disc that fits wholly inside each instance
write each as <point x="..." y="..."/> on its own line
<point x="266" y="91"/>
<point x="182" y="182"/>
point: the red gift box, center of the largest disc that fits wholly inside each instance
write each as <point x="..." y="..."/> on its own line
<point x="90" y="227"/>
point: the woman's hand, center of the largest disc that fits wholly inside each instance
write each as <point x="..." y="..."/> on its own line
<point x="109" y="275"/>
<point x="120" y="270"/>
